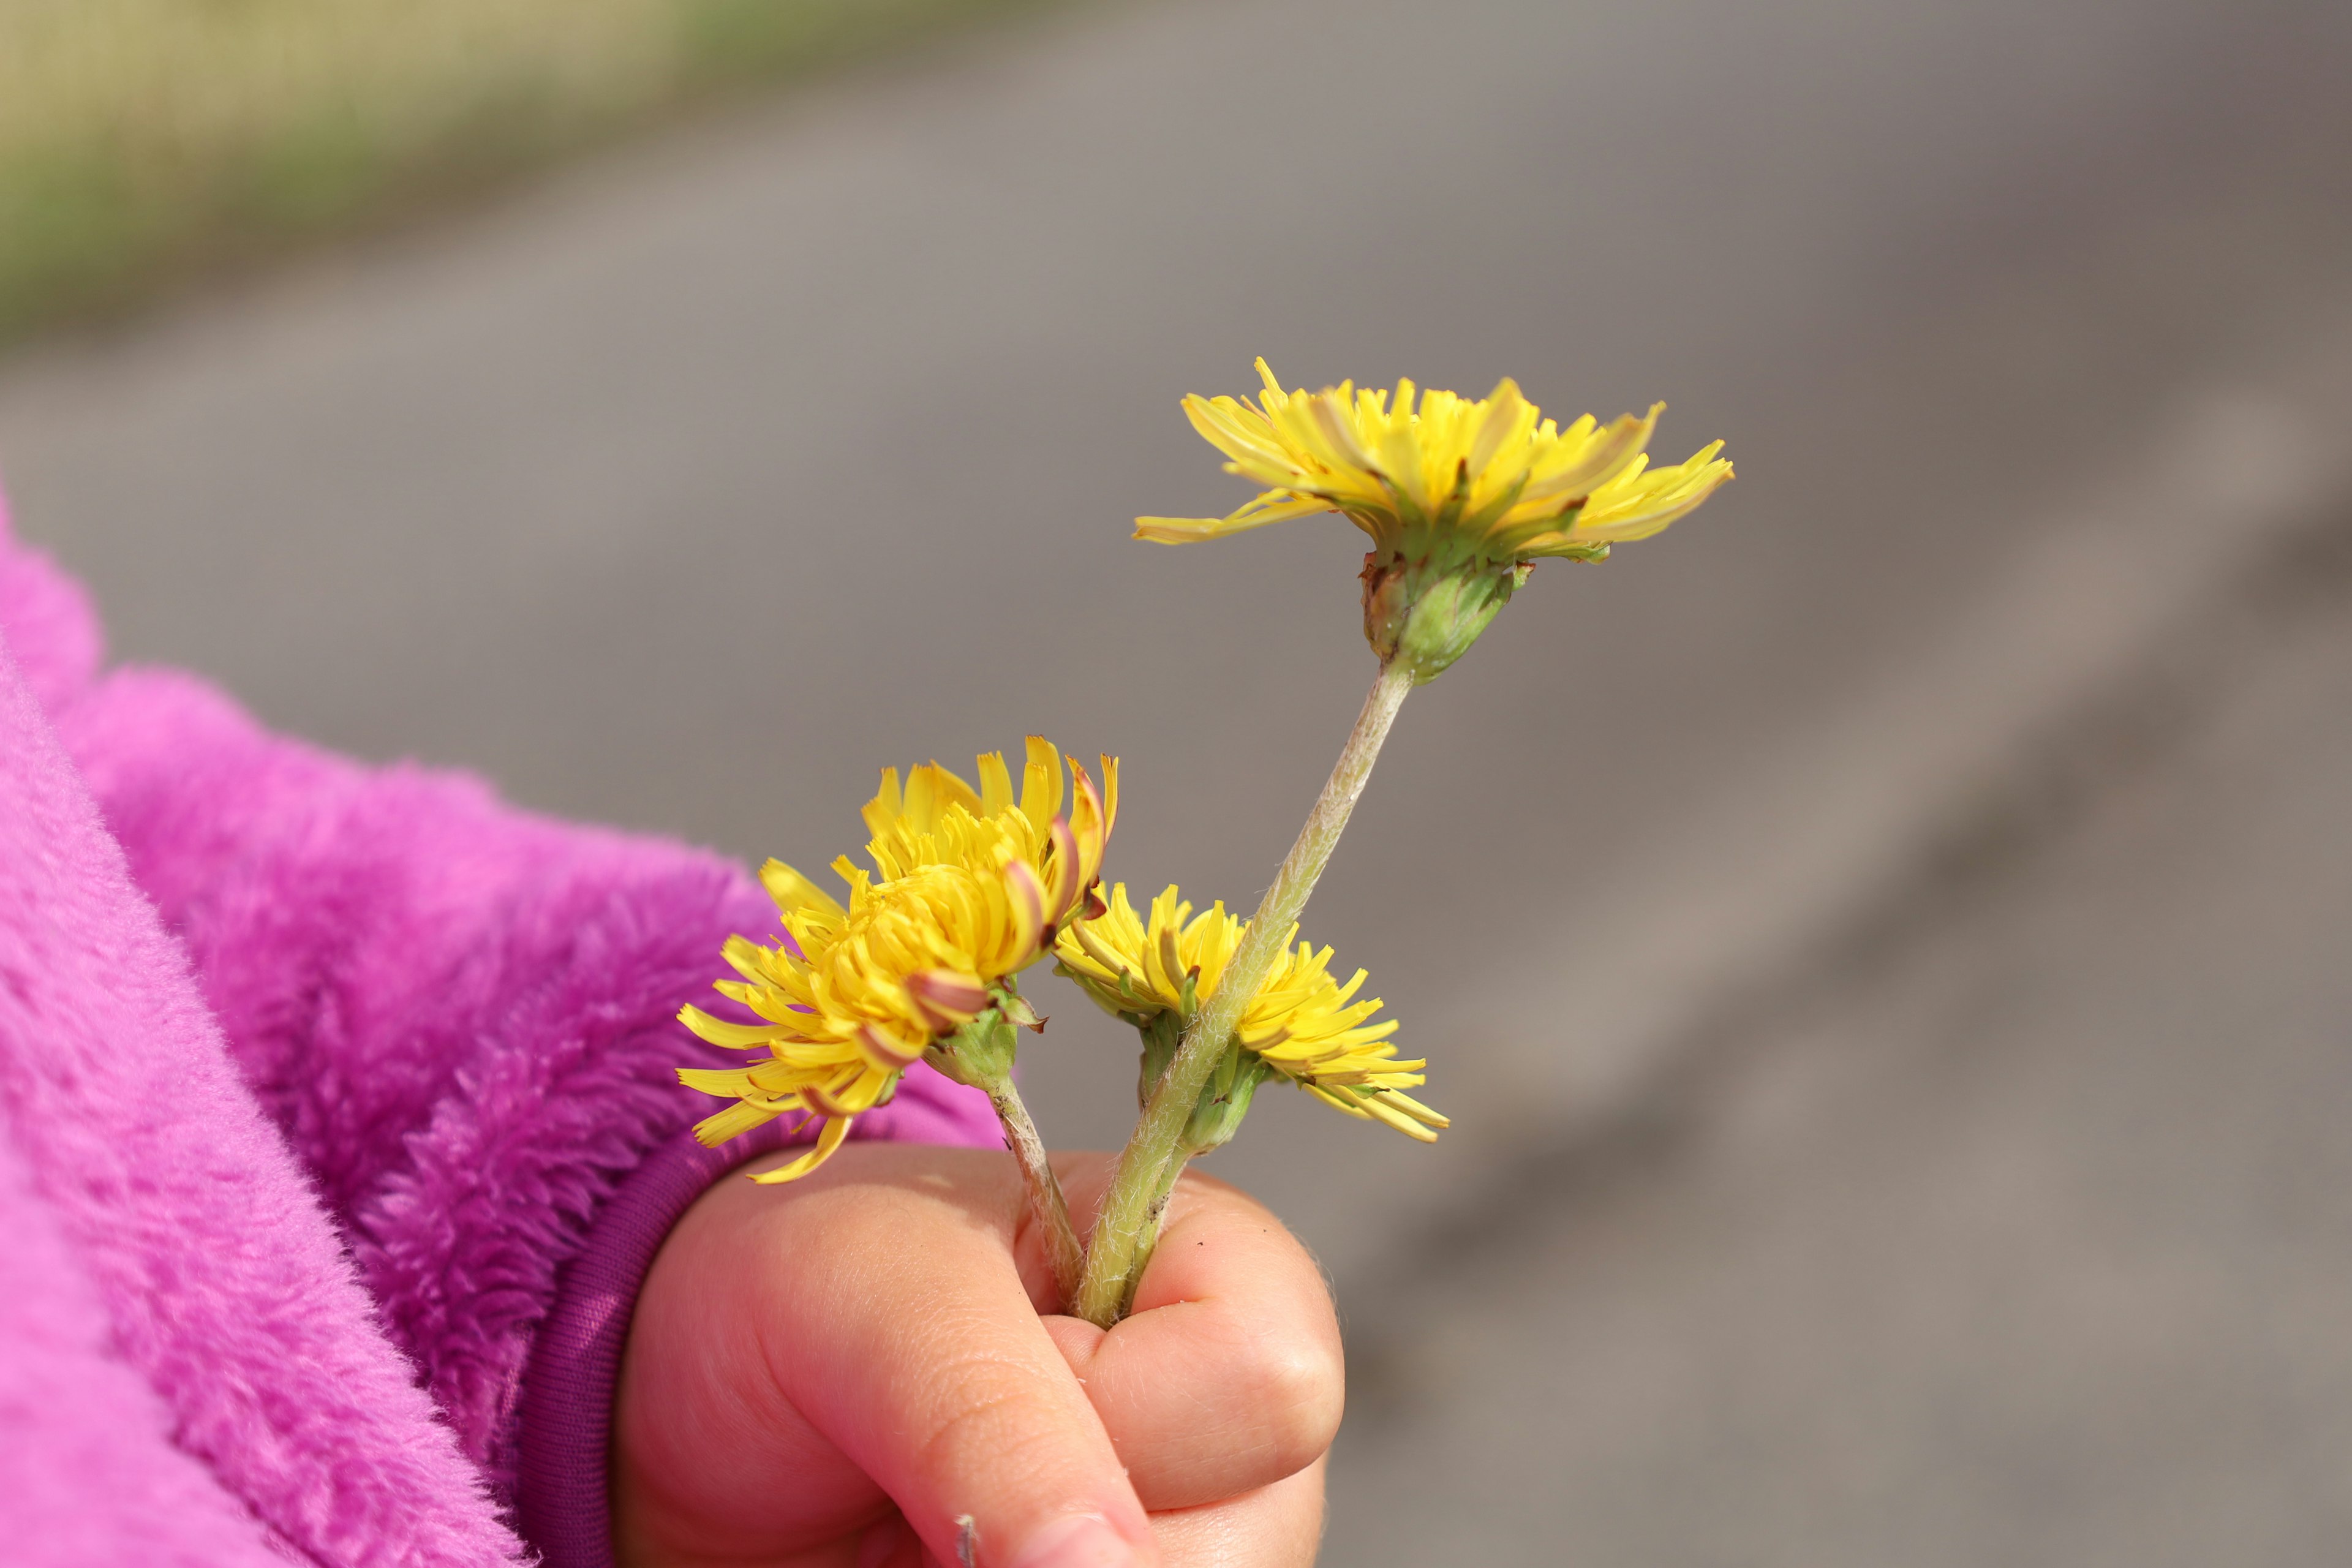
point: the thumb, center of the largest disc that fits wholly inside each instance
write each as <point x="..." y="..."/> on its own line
<point x="916" y="1350"/>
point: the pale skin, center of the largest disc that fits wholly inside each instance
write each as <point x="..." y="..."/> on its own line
<point x="834" y="1373"/>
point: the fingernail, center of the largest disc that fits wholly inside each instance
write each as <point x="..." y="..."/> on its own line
<point x="1081" y="1541"/>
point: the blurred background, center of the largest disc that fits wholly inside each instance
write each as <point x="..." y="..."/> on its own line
<point x="1885" y="945"/>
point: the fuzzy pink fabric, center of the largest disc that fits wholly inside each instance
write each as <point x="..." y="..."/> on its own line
<point x="88" y="1472"/>
<point x="439" y="1033"/>
<point x="157" y="1187"/>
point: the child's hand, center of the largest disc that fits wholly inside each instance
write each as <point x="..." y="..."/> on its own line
<point x="813" y="1369"/>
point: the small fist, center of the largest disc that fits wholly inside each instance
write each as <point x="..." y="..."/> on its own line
<point x="853" y="1371"/>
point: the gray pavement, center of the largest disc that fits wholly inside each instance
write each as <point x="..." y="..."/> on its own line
<point x="2019" y="1236"/>
<point x="686" y="489"/>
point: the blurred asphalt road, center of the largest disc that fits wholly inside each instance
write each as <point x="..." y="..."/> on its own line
<point x="690" y="488"/>
<point x="2019" y="1237"/>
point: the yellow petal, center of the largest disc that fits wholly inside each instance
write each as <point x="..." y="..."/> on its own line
<point x="793" y="892"/>
<point x="888" y="1050"/>
<point x="1274" y="506"/>
<point x="718" y="1032"/>
<point x="831" y="1139"/>
<point x="1639" y="504"/>
<point x="1377" y="1103"/>
<point x="1337" y="1102"/>
<point x="732" y="1122"/>
<point x="946" y="999"/>
<point x="1041" y="783"/>
<point x="1239" y="431"/>
<point x="1608" y="456"/>
<point x="996" y="785"/>
<point x="731" y="1082"/>
<point x="1399" y="1098"/>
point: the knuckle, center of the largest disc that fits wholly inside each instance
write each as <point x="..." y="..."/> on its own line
<point x="984" y="1415"/>
<point x="1298" y="1388"/>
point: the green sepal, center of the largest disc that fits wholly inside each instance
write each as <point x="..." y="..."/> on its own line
<point x="980" y="1055"/>
<point x="1427" y="613"/>
<point x="1162" y="1032"/>
<point x="1018" y="1012"/>
<point x="1224" y="1101"/>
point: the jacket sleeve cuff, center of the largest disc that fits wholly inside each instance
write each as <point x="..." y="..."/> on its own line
<point x="561" y="1498"/>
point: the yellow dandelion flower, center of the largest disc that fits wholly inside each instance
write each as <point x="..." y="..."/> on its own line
<point x="1459" y="496"/>
<point x="861" y="992"/>
<point x="936" y="817"/>
<point x="1302" y="1025"/>
<point x="1490" y="474"/>
<point x="968" y="889"/>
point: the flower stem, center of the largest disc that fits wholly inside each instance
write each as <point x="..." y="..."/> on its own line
<point x="1147" y="1167"/>
<point x="1163" y="1187"/>
<point x="1048" y="1210"/>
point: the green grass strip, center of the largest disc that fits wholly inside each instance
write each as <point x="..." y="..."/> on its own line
<point x="141" y="141"/>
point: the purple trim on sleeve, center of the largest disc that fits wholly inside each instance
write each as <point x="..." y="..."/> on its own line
<point x="575" y="1367"/>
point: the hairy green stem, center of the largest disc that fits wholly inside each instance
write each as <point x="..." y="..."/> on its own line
<point x="1129" y="1222"/>
<point x="1048" y="1210"/>
<point x="1163" y="1187"/>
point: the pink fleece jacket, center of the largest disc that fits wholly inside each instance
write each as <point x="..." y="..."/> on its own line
<point x="317" y="1084"/>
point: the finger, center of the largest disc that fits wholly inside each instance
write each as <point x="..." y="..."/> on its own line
<point x="700" y="1431"/>
<point x="910" y="1342"/>
<point x="1280" y="1526"/>
<point x="1228" y="1376"/>
<point x="888" y="1544"/>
